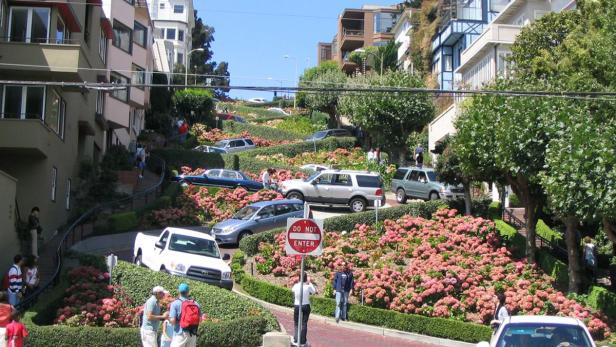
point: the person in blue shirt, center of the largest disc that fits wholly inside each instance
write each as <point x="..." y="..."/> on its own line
<point x="182" y="337"/>
<point x="152" y="317"/>
<point x="343" y="285"/>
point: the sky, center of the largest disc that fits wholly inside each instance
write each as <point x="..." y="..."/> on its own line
<point x="255" y="35"/>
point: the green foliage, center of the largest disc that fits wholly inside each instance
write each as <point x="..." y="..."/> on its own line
<point x="195" y="105"/>
<point x="514" y="240"/>
<point x="117" y="157"/>
<point x="514" y="201"/>
<point x="602" y="299"/>
<point x="324" y="101"/>
<point x="379" y="59"/>
<point x="553" y="267"/>
<point x="85" y="259"/>
<point x="388" y="117"/>
<point x="265" y="132"/>
<point x="176" y="158"/>
<point x="252" y="113"/>
<point x="301" y="125"/>
<point x="240" y="332"/>
<point x="494" y="210"/>
<point x="547" y="233"/>
<point x="479" y="207"/>
<point x="121" y="222"/>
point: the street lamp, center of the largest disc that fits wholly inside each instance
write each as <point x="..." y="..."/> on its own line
<point x="186" y="64"/>
<point x="382" y="55"/>
<point x="295" y="97"/>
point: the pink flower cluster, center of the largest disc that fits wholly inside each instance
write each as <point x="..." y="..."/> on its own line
<point x="449" y="266"/>
<point x="205" y="136"/>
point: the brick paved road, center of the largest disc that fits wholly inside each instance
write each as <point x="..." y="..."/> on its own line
<point x="321" y="334"/>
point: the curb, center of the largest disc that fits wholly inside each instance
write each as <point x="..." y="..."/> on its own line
<point x="364" y="327"/>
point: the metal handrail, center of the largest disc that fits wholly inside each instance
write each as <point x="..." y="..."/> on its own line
<point x="72" y="229"/>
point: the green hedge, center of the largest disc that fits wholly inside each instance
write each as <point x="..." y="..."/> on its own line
<point x="250" y="244"/>
<point x="512" y="238"/>
<point x="602" y="299"/>
<point x="121" y="222"/>
<point x="494" y="210"/>
<point x="177" y="158"/>
<point x="553" y="267"/>
<point x="548" y="233"/>
<point x="262" y="131"/>
<point x="216" y="302"/>
<point x="438" y="327"/>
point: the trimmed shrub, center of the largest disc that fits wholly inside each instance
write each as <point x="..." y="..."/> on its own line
<point x="514" y="201"/>
<point x="262" y="131"/>
<point x="494" y="210"/>
<point x="177" y="158"/>
<point x="121" y="222"/>
<point x="479" y="207"/>
<point x="602" y="299"/>
<point x="553" y="267"/>
<point x="548" y="233"/>
<point x="240" y="332"/>
<point x="514" y="240"/>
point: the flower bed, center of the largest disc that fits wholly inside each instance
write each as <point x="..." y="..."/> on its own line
<point x="208" y="137"/>
<point x="196" y="205"/>
<point x="449" y="267"/>
<point x="280" y="175"/>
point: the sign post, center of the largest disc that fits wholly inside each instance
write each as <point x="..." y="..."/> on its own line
<point x="112" y="261"/>
<point x="377" y="204"/>
<point x="304" y="237"/>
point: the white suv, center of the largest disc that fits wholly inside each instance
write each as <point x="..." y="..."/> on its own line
<point x="235" y="145"/>
<point x="357" y="189"/>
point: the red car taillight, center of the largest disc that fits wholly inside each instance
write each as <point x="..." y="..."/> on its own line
<point x="379" y="192"/>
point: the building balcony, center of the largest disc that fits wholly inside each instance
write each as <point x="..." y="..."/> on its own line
<point x="45" y="61"/>
<point x="495" y="34"/>
<point x="351" y="39"/>
<point x="455" y="30"/>
<point x="28" y="137"/>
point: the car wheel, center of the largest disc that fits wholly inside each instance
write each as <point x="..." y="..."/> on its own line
<point x="137" y="260"/>
<point x="358" y="204"/>
<point x="242" y="235"/>
<point x="433" y="196"/>
<point x="401" y="196"/>
<point x="295" y="196"/>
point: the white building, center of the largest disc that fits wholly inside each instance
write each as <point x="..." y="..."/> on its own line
<point x="173" y="24"/>
<point x="486" y="57"/>
<point x="402" y="36"/>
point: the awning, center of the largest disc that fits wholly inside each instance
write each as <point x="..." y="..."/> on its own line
<point x="106" y="26"/>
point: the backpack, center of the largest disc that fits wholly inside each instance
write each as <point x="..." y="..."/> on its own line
<point x="189" y="316"/>
<point x="5" y="280"/>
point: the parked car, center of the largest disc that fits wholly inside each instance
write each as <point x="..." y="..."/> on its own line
<point x="209" y="149"/>
<point x="278" y="110"/>
<point x="357" y="189"/>
<point x="257" y="100"/>
<point x="235" y="145"/>
<point x="185" y="253"/>
<point x="239" y="119"/>
<point x="221" y="178"/>
<point x="314" y="167"/>
<point x="256" y="218"/>
<point x="524" y="331"/>
<point x="413" y="182"/>
<point x="323" y="134"/>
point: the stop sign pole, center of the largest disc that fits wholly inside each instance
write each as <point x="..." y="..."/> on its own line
<point x="304" y="237"/>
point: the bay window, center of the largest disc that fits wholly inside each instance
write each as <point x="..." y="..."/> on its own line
<point x="29" y="24"/>
<point x="62" y="32"/>
<point x="20" y="102"/>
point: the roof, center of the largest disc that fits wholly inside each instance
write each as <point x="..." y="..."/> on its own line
<point x="416" y="168"/>
<point x="189" y="232"/>
<point x="275" y="202"/>
<point x="363" y="172"/>
<point x="543" y="320"/>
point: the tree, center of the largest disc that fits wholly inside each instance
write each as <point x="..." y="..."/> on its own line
<point x="310" y="74"/>
<point x="378" y="58"/>
<point x="325" y="100"/>
<point x="388" y="117"/>
<point x="195" y="105"/>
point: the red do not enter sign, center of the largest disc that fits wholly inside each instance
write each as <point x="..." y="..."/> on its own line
<point x="304" y="236"/>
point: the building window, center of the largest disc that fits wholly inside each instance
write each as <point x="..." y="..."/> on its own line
<point x="140" y="35"/>
<point x="181" y="35"/>
<point x="384" y="22"/>
<point x="68" y="194"/>
<point x="132" y="2"/>
<point x="121" y="94"/>
<point x="170" y="34"/>
<point x="178" y="8"/>
<point x="21" y="102"/>
<point x="162" y="6"/>
<point x="62" y="33"/>
<point x="100" y="102"/>
<point x="180" y="59"/>
<point x="55" y="113"/>
<point x="54" y="181"/>
<point x="138" y="75"/>
<point x="29" y="24"/>
<point x="102" y="47"/>
<point x="448" y="59"/>
<point x="122" y="37"/>
<point x="498" y="5"/>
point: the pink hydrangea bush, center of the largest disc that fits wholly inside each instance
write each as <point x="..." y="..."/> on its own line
<point x="450" y="266"/>
<point x="206" y="137"/>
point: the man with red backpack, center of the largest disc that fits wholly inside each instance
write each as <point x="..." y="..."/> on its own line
<point x="185" y="315"/>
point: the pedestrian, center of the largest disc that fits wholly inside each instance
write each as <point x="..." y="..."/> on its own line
<point x="16" y="332"/>
<point x="419" y="156"/>
<point x="185" y="316"/>
<point x="371" y="156"/>
<point x="34" y="226"/>
<point x="31" y="277"/>
<point x="590" y="259"/>
<point x="6" y="312"/>
<point x="500" y="313"/>
<point x="308" y="289"/>
<point x="377" y="155"/>
<point x="152" y="317"/>
<point x="140" y="157"/>
<point x="183" y="131"/>
<point x="343" y="285"/>
<point x="167" y="334"/>
<point x="15" y="277"/>
<point x="266" y="178"/>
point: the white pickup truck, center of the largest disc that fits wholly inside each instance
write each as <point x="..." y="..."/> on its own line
<point x="186" y="253"/>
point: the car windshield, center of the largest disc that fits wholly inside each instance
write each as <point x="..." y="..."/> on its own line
<point x="537" y="334"/>
<point x="311" y="177"/>
<point x="193" y="245"/>
<point x="221" y="143"/>
<point x="432" y="176"/>
<point x="245" y="213"/>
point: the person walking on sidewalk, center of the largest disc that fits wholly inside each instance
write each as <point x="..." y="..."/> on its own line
<point x="343" y="285"/>
<point x="34" y="225"/>
<point x="152" y="317"/>
<point x="590" y="259"/>
<point x="31" y="275"/>
<point x="16" y="281"/>
<point x="308" y="289"/>
<point x="6" y="312"/>
<point x="185" y="316"/>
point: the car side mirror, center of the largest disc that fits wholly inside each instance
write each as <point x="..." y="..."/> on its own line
<point x="257" y="218"/>
<point x="159" y="244"/>
<point x="226" y="256"/>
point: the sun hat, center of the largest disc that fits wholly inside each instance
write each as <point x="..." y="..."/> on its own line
<point x="158" y="289"/>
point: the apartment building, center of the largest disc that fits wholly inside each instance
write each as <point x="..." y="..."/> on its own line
<point x="324" y="52"/>
<point x="129" y="60"/>
<point x="369" y="25"/>
<point x="47" y="130"/>
<point x="173" y="22"/>
<point x="402" y="36"/>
